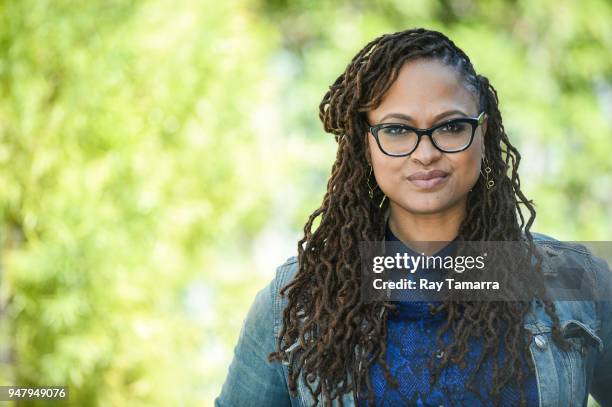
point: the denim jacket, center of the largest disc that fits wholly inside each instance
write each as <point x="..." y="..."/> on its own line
<point x="563" y="378"/>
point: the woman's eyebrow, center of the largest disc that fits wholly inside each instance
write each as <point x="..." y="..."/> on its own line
<point x="408" y="118"/>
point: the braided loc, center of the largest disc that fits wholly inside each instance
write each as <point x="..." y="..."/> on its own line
<point x="329" y="334"/>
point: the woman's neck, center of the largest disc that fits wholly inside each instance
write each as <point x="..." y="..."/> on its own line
<point x="416" y="229"/>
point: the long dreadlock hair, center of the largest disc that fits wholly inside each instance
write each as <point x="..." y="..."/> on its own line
<point x="326" y="319"/>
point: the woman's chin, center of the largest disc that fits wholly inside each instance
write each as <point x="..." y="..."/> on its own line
<point x="427" y="206"/>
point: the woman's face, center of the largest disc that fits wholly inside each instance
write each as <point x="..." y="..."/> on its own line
<point x="423" y="92"/>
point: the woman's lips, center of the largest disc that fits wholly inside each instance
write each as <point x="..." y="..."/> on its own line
<point x="428" y="179"/>
<point x="429" y="183"/>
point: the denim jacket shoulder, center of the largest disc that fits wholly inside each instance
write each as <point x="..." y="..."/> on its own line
<point x="252" y="380"/>
<point x="567" y="378"/>
<point x="564" y="378"/>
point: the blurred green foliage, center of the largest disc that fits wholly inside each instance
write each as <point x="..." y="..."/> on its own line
<point x="159" y="158"/>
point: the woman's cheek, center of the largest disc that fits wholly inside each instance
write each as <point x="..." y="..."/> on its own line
<point x="391" y="181"/>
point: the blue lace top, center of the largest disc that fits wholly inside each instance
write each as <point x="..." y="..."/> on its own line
<point x="411" y="341"/>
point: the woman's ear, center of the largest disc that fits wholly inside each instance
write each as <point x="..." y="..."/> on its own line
<point x="484" y="125"/>
<point x="366" y="141"/>
<point x="366" y="138"/>
<point x="484" y="132"/>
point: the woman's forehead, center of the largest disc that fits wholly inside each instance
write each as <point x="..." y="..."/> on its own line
<point x="423" y="90"/>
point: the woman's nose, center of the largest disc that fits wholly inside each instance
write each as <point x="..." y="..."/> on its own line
<point x="426" y="152"/>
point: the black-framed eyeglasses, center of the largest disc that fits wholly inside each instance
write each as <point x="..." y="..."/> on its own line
<point x="451" y="136"/>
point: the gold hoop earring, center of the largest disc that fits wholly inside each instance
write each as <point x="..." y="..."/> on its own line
<point x="489" y="182"/>
<point x="383" y="201"/>
<point x="370" y="189"/>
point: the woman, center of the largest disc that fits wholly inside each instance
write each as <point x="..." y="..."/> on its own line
<point x="422" y="156"/>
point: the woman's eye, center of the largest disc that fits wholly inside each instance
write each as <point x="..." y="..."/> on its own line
<point x="395" y="131"/>
<point x="453" y="128"/>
